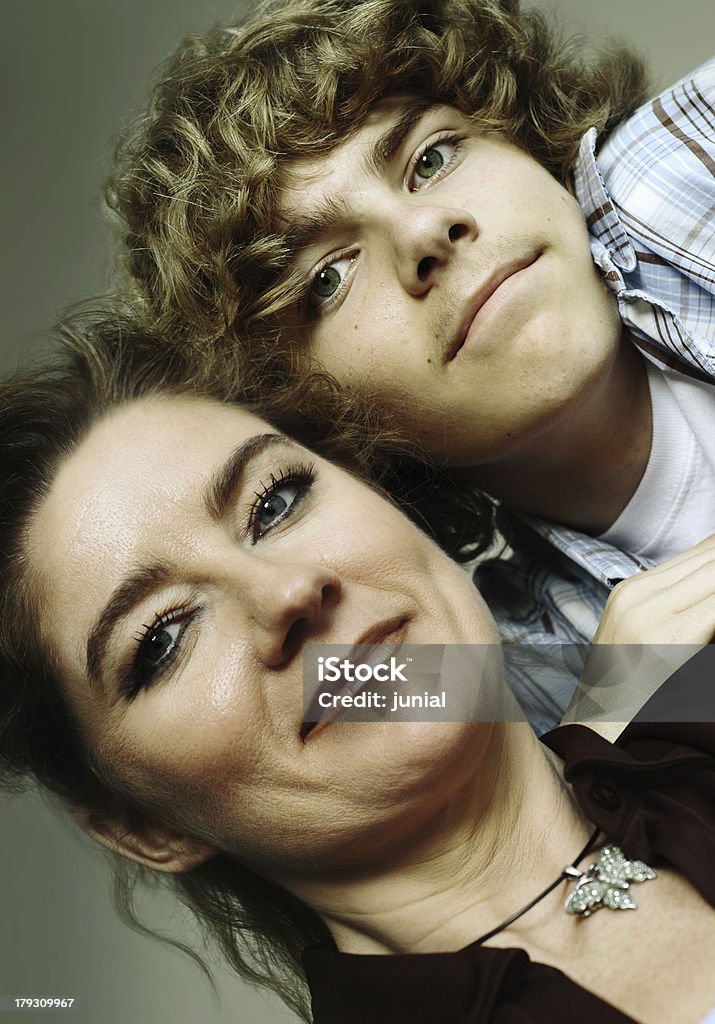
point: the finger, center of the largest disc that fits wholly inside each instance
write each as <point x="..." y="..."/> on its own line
<point x="691" y="590"/>
<point x="661" y="611"/>
<point x="684" y="562"/>
<point x="669" y="574"/>
<point x="697" y="623"/>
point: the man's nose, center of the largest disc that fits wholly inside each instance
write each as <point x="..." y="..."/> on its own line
<point x="426" y="237"/>
<point x="287" y="605"/>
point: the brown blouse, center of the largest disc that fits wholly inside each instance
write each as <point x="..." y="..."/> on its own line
<point x="652" y="793"/>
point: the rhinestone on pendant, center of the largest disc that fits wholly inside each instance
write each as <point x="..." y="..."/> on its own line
<point x="606" y="883"/>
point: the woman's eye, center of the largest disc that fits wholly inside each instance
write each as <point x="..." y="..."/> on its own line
<point x="328" y="281"/>
<point x="275" y="506"/>
<point x="430" y="163"/>
<point x="158" y="644"/>
<point x="279" y="500"/>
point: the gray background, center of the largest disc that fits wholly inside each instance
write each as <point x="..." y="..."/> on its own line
<point x="73" y="71"/>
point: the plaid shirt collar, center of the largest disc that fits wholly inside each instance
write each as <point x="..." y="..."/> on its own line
<point x="603" y="561"/>
<point x="608" y="235"/>
<point x="669" y="306"/>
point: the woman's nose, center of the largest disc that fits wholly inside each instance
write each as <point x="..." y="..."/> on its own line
<point x="288" y="605"/>
<point x="427" y="237"/>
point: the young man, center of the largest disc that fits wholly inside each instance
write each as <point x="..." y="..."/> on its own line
<point x="410" y="200"/>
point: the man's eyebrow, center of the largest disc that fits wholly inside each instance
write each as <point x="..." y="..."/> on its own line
<point x="333" y="211"/>
<point x="308" y="228"/>
<point x="387" y="145"/>
<point x="140" y="583"/>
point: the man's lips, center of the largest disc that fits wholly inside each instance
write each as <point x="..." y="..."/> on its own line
<point x="376" y="644"/>
<point x="482" y="295"/>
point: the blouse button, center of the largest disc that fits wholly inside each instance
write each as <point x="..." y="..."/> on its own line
<point x="605" y="796"/>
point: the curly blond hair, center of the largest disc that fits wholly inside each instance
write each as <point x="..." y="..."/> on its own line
<point x="198" y="178"/>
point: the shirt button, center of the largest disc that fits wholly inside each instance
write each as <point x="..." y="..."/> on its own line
<point x="605" y="796"/>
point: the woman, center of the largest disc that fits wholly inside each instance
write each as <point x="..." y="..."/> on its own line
<point x="165" y="560"/>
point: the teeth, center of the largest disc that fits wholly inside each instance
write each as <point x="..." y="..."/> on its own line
<point x="371" y="656"/>
<point x="364" y="654"/>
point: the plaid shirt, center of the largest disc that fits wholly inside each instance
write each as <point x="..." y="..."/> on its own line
<point x="649" y="202"/>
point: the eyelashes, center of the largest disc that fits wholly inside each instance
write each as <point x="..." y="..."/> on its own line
<point x="433" y="160"/>
<point x="279" y="499"/>
<point x="159" y="642"/>
<point x="158" y="646"/>
<point x="329" y="281"/>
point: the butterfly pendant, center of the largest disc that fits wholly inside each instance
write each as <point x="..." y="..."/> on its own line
<point x="606" y="883"/>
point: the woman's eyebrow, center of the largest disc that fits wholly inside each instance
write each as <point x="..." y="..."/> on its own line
<point x="139" y="583"/>
<point x="223" y="482"/>
<point x="133" y="589"/>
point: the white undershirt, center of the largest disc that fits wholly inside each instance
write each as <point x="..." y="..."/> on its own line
<point x="673" y="506"/>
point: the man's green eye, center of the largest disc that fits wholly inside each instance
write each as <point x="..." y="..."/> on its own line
<point x="326" y="283"/>
<point x="328" y="286"/>
<point x="429" y="163"/>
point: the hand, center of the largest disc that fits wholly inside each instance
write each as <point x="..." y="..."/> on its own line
<point x="652" y="624"/>
<point x="674" y="603"/>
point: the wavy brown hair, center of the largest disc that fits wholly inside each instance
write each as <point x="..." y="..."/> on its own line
<point x="197" y="179"/>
